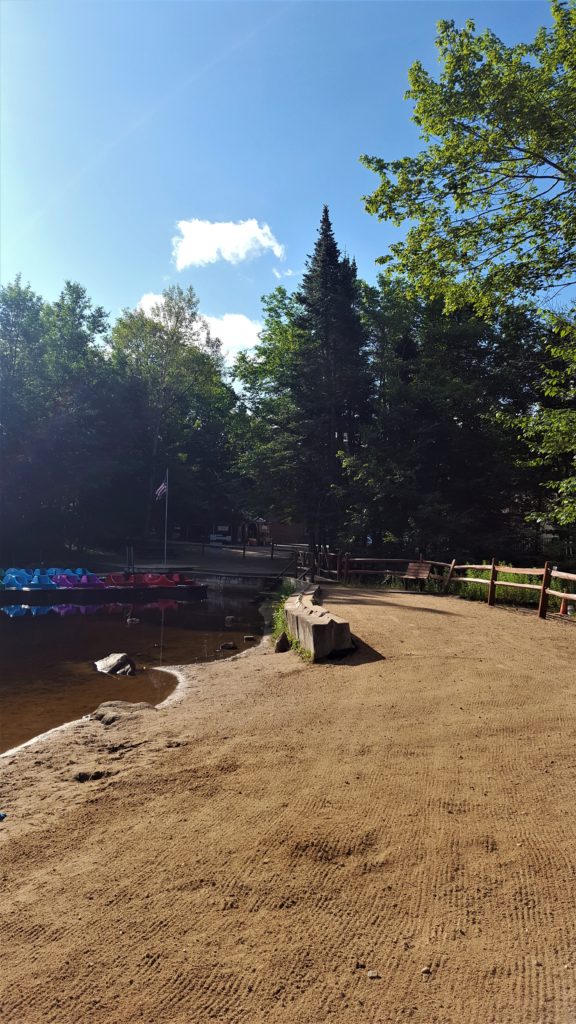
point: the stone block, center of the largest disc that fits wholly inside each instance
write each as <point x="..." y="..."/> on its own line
<point x="317" y="630"/>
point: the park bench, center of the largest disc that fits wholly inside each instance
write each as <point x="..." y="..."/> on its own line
<point x="389" y="569"/>
<point x="420" y="572"/>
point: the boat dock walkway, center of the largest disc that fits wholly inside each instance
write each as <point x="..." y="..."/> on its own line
<point x="207" y="561"/>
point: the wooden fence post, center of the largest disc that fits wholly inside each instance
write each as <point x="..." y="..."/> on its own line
<point x="271" y="550"/>
<point x="338" y="566"/>
<point x="346" y="557"/>
<point x="450" y="575"/>
<point x="492" y="584"/>
<point x="543" y="605"/>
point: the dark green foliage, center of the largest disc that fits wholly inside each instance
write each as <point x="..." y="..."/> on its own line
<point x="490" y="206"/>
<point x="307" y="388"/>
<point x="439" y="469"/>
<point x="550" y="428"/>
<point x="89" y="426"/>
<point x="184" y="407"/>
<point x="375" y="414"/>
<point x="54" y="452"/>
<point x="364" y="412"/>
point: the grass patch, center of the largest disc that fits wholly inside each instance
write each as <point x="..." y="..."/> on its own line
<point x="280" y="622"/>
<point x="517" y="598"/>
<point x="433" y="585"/>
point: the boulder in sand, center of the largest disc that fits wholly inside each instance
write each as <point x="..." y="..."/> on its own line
<point x="111" y="710"/>
<point x="116" y="664"/>
<point x="282" y="644"/>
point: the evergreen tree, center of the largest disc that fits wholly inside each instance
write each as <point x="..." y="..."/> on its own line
<point x="440" y="470"/>
<point x="308" y="389"/>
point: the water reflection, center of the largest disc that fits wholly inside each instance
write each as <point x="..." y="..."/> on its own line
<point x="47" y="654"/>
<point x="111" y="608"/>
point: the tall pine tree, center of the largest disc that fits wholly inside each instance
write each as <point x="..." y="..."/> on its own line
<point x="330" y="384"/>
<point x="308" y="384"/>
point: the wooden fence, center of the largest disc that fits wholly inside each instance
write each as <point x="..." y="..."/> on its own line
<point x="544" y="589"/>
<point x="342" y="567"/>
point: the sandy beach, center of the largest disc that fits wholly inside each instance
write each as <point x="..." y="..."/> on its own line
<point x="386" y="838"/>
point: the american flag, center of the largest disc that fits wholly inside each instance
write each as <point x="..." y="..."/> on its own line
<point x="163" y="489"/>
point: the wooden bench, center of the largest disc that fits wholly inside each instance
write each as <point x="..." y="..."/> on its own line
<point x="393" y="569"/>
<point x="418" y="571"/>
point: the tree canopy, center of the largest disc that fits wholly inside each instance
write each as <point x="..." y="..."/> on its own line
<point x="491" y="207"/>
<point x="363" y="412"/>
<point x="307" y="389"/>
<point x="90" y="420"/>
<point x="493" y="193"/>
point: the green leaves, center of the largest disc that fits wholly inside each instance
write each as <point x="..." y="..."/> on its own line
<point x="490" y="201"/>
<point x="185" y="407"/>
<point x="88" y="426"/>
<point x="493" y="194"/>
<point x="439" y="467"/>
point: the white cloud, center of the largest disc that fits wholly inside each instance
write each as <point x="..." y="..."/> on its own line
<point x="235" y="331"/>
<point x="148" y="301"/>
<point x="203" y="241"/>
<point x="279" y="274"/>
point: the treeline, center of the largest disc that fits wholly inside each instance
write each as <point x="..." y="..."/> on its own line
<point x="435" y="411"/>
<point x="91" y="417"/>
<point x="376" y="415"/>
<point x="362" y="413"/>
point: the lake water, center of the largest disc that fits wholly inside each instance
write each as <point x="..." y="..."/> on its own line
<point x="47" y="673"/>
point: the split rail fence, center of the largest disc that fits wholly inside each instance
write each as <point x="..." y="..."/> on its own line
<point x="544" y="589"/>
<point x="342" y="567"/>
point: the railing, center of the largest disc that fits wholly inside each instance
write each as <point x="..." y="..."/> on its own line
<point x="341" y="567"/>
<point x="322" y="563"/>
<point x="292" y="566"/>
<point x="544" y="589"/>
<point x="403" y="568"/>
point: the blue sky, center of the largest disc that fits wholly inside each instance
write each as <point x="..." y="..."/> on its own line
<point x="223" y="125"/>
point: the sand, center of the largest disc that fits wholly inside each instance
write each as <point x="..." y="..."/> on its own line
<point x="388" y="838"/>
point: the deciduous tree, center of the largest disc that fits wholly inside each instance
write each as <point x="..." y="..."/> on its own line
<point x="490" y="201"/>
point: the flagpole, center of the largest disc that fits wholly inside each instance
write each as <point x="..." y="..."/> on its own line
<point x="166" y="523"/>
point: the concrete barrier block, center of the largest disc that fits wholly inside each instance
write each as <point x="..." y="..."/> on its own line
<point x="317" y="630"/>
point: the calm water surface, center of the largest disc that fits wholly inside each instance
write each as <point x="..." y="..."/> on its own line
<point x="47" y="674"/>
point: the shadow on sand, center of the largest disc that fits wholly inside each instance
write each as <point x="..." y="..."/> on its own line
<point x="346" y="597"/>
<point x="362" y="654"/>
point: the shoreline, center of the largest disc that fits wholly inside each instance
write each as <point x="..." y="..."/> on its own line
<point x="175" y="697"/>
<point x="180" y="673"/>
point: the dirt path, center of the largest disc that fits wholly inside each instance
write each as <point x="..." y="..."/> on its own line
<point x="259" y="850"/>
